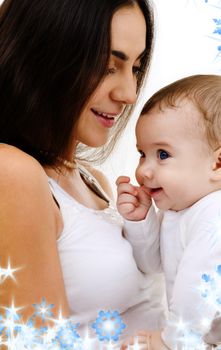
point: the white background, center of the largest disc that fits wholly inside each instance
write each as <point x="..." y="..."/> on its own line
<point x="184" y="45"/>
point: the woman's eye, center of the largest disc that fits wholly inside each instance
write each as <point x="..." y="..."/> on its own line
<point x="111" y="70"/>
<point x="137" y="71"/>
<point x="162" y="154"/>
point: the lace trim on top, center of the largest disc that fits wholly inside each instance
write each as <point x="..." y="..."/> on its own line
<point x="110" y="212"/>
<point x="93" y="184"/>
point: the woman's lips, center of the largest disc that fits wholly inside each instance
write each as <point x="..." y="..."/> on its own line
<point x="106" y="119"/>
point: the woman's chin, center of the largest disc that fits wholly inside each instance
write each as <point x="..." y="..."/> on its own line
<point x="96" y="143"/>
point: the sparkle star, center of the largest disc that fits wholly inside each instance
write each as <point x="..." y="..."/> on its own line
<point x="8" y="272"/>
<point x="12" y="312"/>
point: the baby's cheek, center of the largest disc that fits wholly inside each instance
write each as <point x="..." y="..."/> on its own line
<point x="138" y="175"/>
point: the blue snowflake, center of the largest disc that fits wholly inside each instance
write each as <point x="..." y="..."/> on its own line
<point x="211" y="287"/>
<point x="218" y="270"/>
<point x="108" y="325"/>
<point x="27" y="336"/>
<point x="217" y="31"/>
<point x="216" y="34"/>
<point x="43" y="310"/>
<point x="206" y="278"/>
<point x="68" y="338"/>
<point x="218" y="26"/>
<point x="217" y="21"/>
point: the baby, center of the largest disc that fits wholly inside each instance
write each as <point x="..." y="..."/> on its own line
<point x="179" y="172"/>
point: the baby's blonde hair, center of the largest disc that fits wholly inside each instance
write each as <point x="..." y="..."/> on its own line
<point x="204" y="91"/>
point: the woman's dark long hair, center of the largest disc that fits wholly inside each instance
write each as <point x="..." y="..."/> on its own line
<point x="53" y="55"/>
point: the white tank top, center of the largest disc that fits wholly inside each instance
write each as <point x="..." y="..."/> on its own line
<point x="99" y="269"/>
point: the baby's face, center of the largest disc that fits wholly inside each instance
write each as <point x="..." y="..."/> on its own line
<point x="176" y="161"/>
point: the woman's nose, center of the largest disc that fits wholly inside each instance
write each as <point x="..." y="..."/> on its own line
<point x="125" y="90"/>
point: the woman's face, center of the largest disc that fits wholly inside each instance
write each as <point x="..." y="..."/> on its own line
<point x="118" y="89"/>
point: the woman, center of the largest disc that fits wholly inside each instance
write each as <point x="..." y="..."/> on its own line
<point x="70" y="73"/>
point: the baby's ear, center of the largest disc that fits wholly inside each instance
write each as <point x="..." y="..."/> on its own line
<point x="217" y="159"/>
<point x="216" y="170"/>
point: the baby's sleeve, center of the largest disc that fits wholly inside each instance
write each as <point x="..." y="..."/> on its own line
<point x="144" y="237"/>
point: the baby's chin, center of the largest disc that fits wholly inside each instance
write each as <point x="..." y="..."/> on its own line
<point x="172" y="207"/>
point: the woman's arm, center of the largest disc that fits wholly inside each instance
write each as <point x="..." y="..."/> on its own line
<point x="29" y="227"/>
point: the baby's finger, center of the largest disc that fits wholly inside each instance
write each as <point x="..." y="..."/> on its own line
<point x="144" y="197"/>
<point x="122" y="179"/>
<point x="126" y="188"/>
<point x="126" y="198"/>
<point x="140" y="347"/>
<point x="143" y="340"/>
<point x="144" y="333"/>
<point x="134" y="347"/>
<point x="126" y="210"/>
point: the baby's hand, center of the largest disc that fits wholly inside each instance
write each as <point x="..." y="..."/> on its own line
<point x="142" y="340"/>
<point x="213" y="337"/>
<point x="133" y="202"/>
<point x="145" y="341"/>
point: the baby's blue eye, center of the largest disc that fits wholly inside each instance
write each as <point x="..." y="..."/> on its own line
<point x="142" y="155"/>
<point x="163" y="154"/>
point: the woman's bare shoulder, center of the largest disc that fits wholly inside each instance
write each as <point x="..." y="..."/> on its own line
<point x="23" y="184"/>
<point x="14" y="163"/>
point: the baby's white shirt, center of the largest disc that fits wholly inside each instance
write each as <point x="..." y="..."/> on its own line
<point x="185" y="245"/>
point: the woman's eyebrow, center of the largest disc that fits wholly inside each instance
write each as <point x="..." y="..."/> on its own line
<point x="123" y="56"/>
<point x="119" y="54"/>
